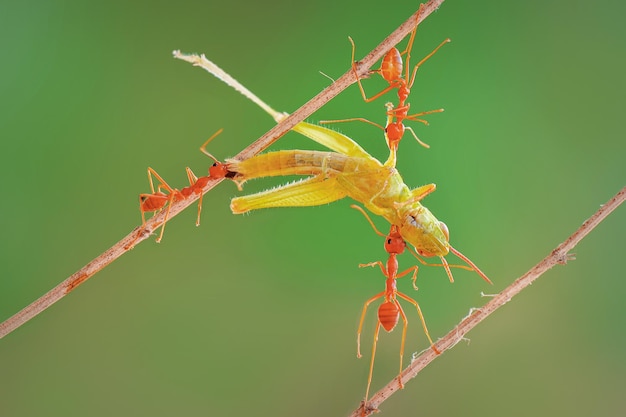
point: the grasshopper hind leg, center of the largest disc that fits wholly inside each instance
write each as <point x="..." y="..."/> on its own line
<point x="309" y="192"/>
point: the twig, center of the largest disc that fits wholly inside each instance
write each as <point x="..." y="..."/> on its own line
<point x="560" y="255"/>
<point x="140" y="234"/>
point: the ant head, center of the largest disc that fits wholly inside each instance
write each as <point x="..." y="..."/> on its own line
<point x="394" y="243"/>
<point x="218" y="170"/>
<point x="394" y="132"/>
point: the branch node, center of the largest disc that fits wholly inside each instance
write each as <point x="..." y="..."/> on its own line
<point x="367" y="409"/>
<point x="141" y="234"/>
<point x="473" y="310"/>
<point x="562" y="257"/>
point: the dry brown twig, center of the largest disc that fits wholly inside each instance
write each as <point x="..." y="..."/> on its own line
<point x="560" y="255"/>
<point x="140" y="234"/>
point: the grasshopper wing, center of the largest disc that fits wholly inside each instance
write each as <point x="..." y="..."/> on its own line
<point x="332" y="140"/>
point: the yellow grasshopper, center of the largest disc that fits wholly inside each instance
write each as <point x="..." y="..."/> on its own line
<point x="347" y="171"/>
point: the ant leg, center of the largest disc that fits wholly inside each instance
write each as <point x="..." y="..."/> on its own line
<point x="426" y="58"/>
<point x="167" y="213"/>
<point x="203" y="147"/>
<point x="170" y="190"/>
<point x="445" y="265"/>
<point x="191" y="176"/>
<point x="405" y="324"/>
<point x="150" y="170"/>
<point x="419" y="312"/>
<point x="193" y="182"/>
<point x="413" y="269"/>
<point x="199" y="209"/>
<point x="409" y="45"/>
<point x="358" y="333"/>
<point x="142" y="198"/>
<point x="369" y="378"/>
<point x="367" y="217"/>
<point x="415" y="117"/>
<point x="162" y="183"/>
<point x="410" y="129"/>
<point x="358" y="79"/>
<point x="379" y="263"/>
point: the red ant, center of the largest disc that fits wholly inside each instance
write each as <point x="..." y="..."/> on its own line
<point x="391" y="70"/>
<point x="157" y="200"/>
<point x="390" y="311"/>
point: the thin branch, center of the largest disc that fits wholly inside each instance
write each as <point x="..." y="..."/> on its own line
<point x="560" y="255"/>
<point x="140" y="234"/>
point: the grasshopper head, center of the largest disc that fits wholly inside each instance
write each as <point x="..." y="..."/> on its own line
<point x="430" y="237"/>
<point x="420" y="228"/>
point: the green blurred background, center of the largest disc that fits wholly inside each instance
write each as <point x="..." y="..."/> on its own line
<point x="257" y="314"/>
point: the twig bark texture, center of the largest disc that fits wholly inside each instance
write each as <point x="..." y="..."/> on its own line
<point x="560" y="255"/>
<point x="140" y="234"/>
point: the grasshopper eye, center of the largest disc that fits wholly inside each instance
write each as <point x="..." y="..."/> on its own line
<point x="445" y="230"/>
<point x="412" y="220"/>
